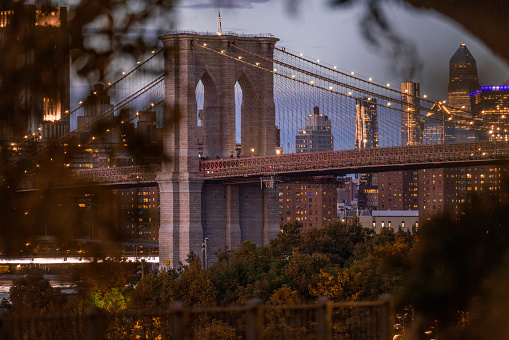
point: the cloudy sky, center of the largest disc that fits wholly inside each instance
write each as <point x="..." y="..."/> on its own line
<point x="334" y="36"/>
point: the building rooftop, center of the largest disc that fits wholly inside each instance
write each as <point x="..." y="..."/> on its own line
<point x="462" y="56"/>
<point x="395" y="213"/>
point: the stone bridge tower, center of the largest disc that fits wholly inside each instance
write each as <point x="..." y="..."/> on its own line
<point x="191" y="209"/>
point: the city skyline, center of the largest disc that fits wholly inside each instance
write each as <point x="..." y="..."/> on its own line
<point x="333" y="36"/>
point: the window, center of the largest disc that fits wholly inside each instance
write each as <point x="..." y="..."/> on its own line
<point x="383" y="224"/>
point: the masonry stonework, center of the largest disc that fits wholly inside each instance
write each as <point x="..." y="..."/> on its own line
<point x="192" y="209"/>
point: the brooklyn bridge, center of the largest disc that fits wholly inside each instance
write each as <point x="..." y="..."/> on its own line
<point x="230" y="106"/>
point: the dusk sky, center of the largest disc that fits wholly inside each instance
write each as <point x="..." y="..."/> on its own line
<point x="333" y="35"/>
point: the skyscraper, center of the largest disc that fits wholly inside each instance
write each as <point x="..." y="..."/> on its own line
<point x="366" y="123"/>
<point x="366" y="136"/>
<point x="35" y="71"/>
<point x="463" y="80"/>
<point x="491" y="103"/>
<point x="411" y="126"/>
<point x="317" y="136"/>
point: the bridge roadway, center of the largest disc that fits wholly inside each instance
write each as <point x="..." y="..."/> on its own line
<point x="360" y="160"/>
<point x="295" y="165"/>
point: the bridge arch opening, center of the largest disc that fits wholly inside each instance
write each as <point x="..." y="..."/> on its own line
<point x="210" y="118"/>
<point x="248" y="117"/>
<point x="199" y="93"/>
<point x="238" y="115"/>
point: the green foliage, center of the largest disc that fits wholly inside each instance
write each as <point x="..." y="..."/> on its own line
<point x="190" y="284"/>
<point x="113" y="300"/>
<point x="235" y="273"/>
<point x="155" y="290"/>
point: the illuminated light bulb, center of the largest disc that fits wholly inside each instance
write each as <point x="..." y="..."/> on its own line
<point x="388" y="104"/>
<point x="240" y="57"/>
<point x="152" y="104"/>
<point x="349" y="93"/>
<point x="352" y="73"/>
<point x="317" y="60"/>
<point x="388" y="85"/>
<point x="425" y="96"/>
<point x="123" y="73"/>
<point x="153" y="52"/>
<point x="222" y="51"/>
<point x="139" y="62"/>
<point x="204" y="44"/>
<point x="369" y="98"/>
<point x="370" y="79"/>
<point x="312" y="81"/>
<point x="301" y="54"/>
<point x="257" y="64"/>
<point x="293" y="75"/>
<point x="334" y="67"/>
<point x="137" y="113"/>
<point x="80" y="102"/>
<point x="330" y="87"/>
<point x="109" y="84"/>
<point x="275" y="70"/>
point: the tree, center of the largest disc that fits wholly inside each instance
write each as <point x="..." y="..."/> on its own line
<point x="32" y="293"/>
<point x="457" y="262"/>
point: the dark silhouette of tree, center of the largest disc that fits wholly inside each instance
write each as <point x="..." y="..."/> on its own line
<point x="456" y="265"/>
<point x="32" y="293"/>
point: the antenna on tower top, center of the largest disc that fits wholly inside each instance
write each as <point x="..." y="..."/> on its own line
<point x="219" y="28"/>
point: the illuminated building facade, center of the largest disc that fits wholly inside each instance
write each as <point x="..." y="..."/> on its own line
<point x="491" y="103"/>
<point x="463" y="80"/>
<point x="411" y="126"/>
<point x="311" y="202"/>
<point x="366" y="123"/>
<point x="317" y="136"/>
<point x="437" y="131"/>
<point x="398" y="190"/>
<point x="366" y="136"/>
<point x="35" y="72"/>
<point x="447" y="189"/>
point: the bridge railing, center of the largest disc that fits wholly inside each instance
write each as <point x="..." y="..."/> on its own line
<point x="355" y="159"/>
<point x="121" y="175"/>
<point x="321" y="320"/>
